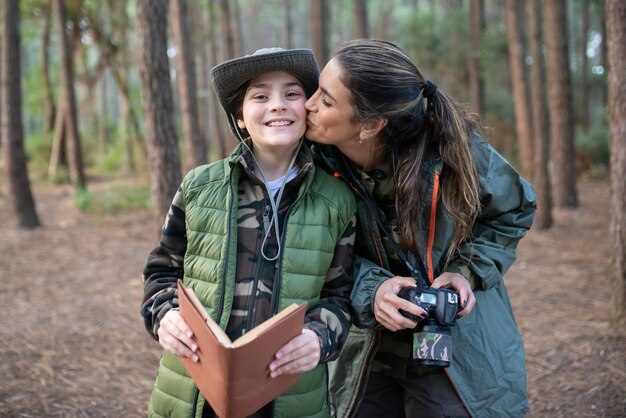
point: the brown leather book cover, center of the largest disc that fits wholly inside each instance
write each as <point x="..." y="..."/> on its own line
<point x="233" y="376"/>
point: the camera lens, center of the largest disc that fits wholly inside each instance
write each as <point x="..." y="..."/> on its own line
<point x="432" y="344"/>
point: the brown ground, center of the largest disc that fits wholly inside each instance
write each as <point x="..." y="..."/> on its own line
<point x="72" y="342"/>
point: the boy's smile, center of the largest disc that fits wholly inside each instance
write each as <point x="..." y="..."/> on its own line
<point x="274" y="113"/>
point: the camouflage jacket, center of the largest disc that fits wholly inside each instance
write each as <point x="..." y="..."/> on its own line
<point x="253" y="298"/>
<point x="488" y="364"/>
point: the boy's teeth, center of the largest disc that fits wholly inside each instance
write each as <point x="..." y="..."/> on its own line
<point x="279" y="123"/>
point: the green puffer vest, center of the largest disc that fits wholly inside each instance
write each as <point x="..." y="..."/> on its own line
<point x="314" y="224"/>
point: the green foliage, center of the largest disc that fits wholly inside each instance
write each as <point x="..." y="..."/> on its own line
<point x="111" y="160"/>
<point x="114" y="199"/>
<point x="84" y="200"/>
<point x="37" y="148"/>
<point x="594" y="145"/>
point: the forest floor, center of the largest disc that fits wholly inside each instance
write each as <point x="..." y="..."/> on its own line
<point x="72" y="342"/>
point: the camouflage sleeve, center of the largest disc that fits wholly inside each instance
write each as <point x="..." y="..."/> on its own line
<point x="330" y="319"/>
<point x="164" y="267"/>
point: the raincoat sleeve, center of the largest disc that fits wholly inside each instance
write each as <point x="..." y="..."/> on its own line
<point x="368" y="277"/>
<point x="508" y="208"/>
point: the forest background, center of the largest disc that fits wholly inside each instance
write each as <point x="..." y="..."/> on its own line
<point x="105" y="105"/>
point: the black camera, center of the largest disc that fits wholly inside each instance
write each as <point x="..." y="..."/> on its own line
<point x="432" y="339"/>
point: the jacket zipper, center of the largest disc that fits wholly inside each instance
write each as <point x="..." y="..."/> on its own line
<point x="431" y="232"/>
<point x="429" y="260"/>
<point x="255" y="283"/>
<point x="279" y="261"/>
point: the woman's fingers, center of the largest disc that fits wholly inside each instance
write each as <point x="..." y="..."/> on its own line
<point x="460" y="284"/>
<point x="387" y="304"/>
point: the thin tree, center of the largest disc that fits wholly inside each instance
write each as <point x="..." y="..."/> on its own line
<point x="227" y="30"/>
<point x="217" y="129"/>
<point x="231" y="49"/>
<point x="477" y="26"/>
<point x="1" y="84"/>
<point x="58" y="152"/>
<point x="360" y="17"/>
<point x="49" y="104"/>
<point x="235" y="26"/>
<point x="71" y="116"/>
<point x="540" y="126"/>
<point x="584" y="65"/>
<point x="562" y="151"/>
<point x="616" y="55"/>
<point x="288" y="24"/>
<point x="319" y="24"/>
<point x="523" y="117"/>
<point x="156" y="95"/>
<point x="11" y="105"/>
<point x="195" y="144"/>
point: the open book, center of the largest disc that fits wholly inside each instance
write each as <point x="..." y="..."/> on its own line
<point x="233" y="376"/>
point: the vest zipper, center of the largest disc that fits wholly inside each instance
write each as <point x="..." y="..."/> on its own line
<point x="195" y="402"/>
<point x="220" y="305"/>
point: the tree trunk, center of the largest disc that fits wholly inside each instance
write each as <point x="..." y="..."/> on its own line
<point x="195" y="145"/>
<point x="49" y="106"/>
<point x="59" y="141"/>
<point x="319" y="24"/>
<point x="540" y="127"/>
<point x="603" y="56"/>
<point x="217" y="129"/>
<point x="477" y="26"/>
<point x="11" y="107"/>
<point x="1" y="65"/>
<point x="523" y="117"/>
<point x="201" y="39"/>
<point x="288" y="24"/>
<point x="584" y="69"/>
<point x="103" y="113"/>
<point x="227" y="30"/>
<point x="562" y="149"/>
<point x="616" y="55"/>
<point x="384" y="17"/>
<point x="235" y="18"/>
<point x="67" y="76"/>
<point x="156" y="95"/>
<point x="360" y="18"/>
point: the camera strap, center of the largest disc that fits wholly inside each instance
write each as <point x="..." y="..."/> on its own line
<point x="409" y="260"/>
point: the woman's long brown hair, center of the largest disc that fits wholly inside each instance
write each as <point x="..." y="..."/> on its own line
<point x="385" y="83"/>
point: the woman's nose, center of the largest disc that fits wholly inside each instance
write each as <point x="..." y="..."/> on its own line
<point x="308" y="105"/>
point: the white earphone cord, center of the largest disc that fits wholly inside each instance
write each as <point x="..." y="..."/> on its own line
<point x="275" y="204"/>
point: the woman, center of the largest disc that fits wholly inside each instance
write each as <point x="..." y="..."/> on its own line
<point x="436" y="201"/>
<point x="253" y="233"/>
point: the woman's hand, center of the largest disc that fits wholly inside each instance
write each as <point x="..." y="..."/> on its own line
<point x="175" y="336"/>
<point x="387" y="303"/>
<point x="299" y="355"/>
<point x="456" y="281"/>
